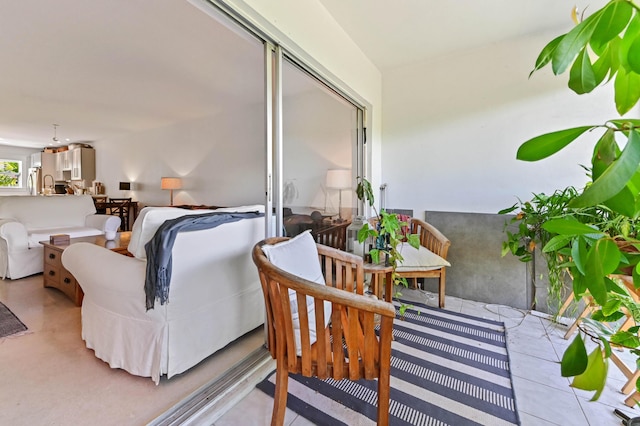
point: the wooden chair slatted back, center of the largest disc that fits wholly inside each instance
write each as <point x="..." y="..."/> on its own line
<point x="430" y="237"/>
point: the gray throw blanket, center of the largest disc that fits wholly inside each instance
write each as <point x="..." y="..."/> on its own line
<point x="158" y="249"/>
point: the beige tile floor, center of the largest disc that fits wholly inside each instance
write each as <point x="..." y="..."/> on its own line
<point x="48" y="376"/>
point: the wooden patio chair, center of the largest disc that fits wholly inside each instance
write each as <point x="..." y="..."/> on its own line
<point x="351" y="322"/>
<point x="424" y="264"/>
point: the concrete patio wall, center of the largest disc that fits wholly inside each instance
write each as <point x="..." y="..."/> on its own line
<point x="478" y="271"/>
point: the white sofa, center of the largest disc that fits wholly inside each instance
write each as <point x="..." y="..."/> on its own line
<point x="214" y="297"/>
<point x="27" y="220"/>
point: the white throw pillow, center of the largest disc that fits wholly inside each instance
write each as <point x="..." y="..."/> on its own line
<point x="421" y="259"/>
<point x="299" y="256"/>
<point x="148" y="222"/>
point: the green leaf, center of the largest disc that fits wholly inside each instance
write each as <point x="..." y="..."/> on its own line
<point x="623" y="202"/>
<point x="545" y="145"/>
<point x="594" y="276"/>
<point x="626" y="339"/>
<point x="556" y="243"/>
<point x="614" y="178"/>
<point x="579" y="254"/>
<point x="604" y="153"/>
<point x="579" y="285"/>
<point x="602" y="66"/>
<point x="611" y="306"/>
<point x="509" y="209"/>
<point x="614" y="19"/>
<point x="600" y="316"/>
<point x="633" y="56"/>
<point x="566" y="226"/>
<point x="574" y="360"/>
<point x="628" y="38"/>
<point x="546" y="54"/>
<point x="582" y="78"/>
<point x="595" y="375"/>
<point x="608" y="254"/>
<point x="627" y="90"/>
<point x="573" y="42"/>
<point x="413" y="240"/>
<point x="364" y="192"/>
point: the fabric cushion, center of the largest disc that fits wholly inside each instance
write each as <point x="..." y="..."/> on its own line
<point x="299" y="256"/>
<point x="74" y="232"/>
<point x="421" y="259"/>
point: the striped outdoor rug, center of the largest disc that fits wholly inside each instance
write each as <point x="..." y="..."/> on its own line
<point x="446" y="369"/>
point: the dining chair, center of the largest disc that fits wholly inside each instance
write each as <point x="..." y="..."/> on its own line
<point x="121" y="207"/>
<point x="319" y="322"/>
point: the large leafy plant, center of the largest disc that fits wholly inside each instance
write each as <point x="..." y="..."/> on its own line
<point x="602" y="48"/>
<point x="526" y="236"/>
<point x="387" y="235"/>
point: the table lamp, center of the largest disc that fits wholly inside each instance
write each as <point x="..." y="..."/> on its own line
<point x="171" y="183"/>
<point x="339" y="179"/>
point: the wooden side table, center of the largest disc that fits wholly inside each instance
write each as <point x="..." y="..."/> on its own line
<point x="56" y="276"/>
<point x="380" y="271"/>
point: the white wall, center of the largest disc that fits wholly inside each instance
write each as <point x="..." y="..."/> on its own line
<point x="452" y="127"/>
<point x="220" y="158"/>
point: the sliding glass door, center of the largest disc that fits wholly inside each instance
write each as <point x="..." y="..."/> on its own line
<point x="319" y="152"/>
<point x="312" y="148"/>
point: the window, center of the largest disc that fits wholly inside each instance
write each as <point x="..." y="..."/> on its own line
<point x="10" y="173"/>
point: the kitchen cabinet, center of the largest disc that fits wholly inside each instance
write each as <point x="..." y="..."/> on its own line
<point x="64" y="161"/>
<point x="75" y="164"/>
<point x="59" y="171"/>
<point x="83" y="164"/>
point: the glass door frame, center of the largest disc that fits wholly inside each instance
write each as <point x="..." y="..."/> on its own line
<point x="274" y="54"/>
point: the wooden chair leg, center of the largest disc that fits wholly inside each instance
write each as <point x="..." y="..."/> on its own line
<point x="441" y="287"/>
<point x="383" y="401"/>
<point x="280" y="396"/>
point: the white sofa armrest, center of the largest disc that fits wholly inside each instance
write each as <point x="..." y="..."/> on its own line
<point x="15" y="234"/>
<point x="103" y="222"/>
<point x="94" y="266"/>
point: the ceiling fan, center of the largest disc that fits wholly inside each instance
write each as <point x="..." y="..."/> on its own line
<point x="55" y="133"/>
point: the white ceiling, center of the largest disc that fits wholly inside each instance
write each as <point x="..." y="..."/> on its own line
<point x="400" y="32"/>
<point x="101" y="68"/>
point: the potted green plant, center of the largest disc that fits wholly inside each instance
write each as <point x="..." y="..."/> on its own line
<point x="603" y="47"/>
<point x="387" y="235"/>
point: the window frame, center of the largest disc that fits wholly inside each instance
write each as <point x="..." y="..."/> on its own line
<point x="20" y="184"/>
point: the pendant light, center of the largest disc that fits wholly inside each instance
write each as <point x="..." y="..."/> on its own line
<point x="55" y="132"/>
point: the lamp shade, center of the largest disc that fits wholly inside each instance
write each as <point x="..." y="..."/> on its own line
<point x="170" y="183"/>
<point x="125" y="186"/>
<point x="339" y="179"/>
